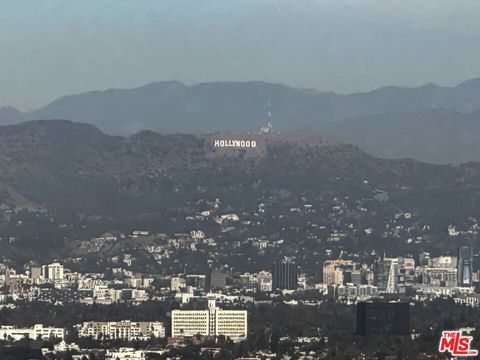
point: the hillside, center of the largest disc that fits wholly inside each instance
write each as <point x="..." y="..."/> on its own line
<point x="75" y="168"/>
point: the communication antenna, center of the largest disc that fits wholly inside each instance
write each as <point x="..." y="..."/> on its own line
<point x="268" y="128"/>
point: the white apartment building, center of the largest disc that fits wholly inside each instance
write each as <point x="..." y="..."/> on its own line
<point x="231" y="323"/>
<point x="214" y="322"/>
<point x="38" y="331"/>
<point x="55" y="272"/>
<point x="190" y="322"/>
<point x="125" y="330"/>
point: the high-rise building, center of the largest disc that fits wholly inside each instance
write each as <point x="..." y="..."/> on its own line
<point x="231" y="323"/>
<point x="439" y="271"/>
<point x="218" y="280"/>
<point x="338" y="272"/>
<point x="8" y="278"/>
<point x="402" y="273"/>
<point x="55" y="272"/>
<point x="464" y="266"/>
<point x="393" y="274"/>
<point x="383" y="318"/>
<point x="35" y="273"/>
<point x="190" y="322"/>
<point x="214" y="322"/>
<point x="284" y="275"/>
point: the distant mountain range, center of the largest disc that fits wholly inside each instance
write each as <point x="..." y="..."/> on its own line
<point x="429" y="123"/>
<point x="436" y="136"/>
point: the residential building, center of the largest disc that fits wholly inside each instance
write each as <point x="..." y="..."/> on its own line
<point x="38" y="331"/>
<point x="125" y="330"/>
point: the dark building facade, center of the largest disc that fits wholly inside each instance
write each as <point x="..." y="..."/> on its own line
<point x="218" y="280"/>
<point x="383" y="318"/>
<point x="284" y="275"/>
<point x="464" y="266"/>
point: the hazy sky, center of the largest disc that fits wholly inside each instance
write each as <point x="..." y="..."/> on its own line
<point x="50" y="48"/>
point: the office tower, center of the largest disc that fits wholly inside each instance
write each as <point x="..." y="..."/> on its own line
<point x="391" y="274"/>
<point x="383" y="318"/>
<point x="190" y="322"/>
<point x="218" y="280"/>
<point x="284" y="275"/>
<point x="381" y="271"/>
<point x="440" y="271"/>
<point x="338" y="272"/>
<point x="402" y="273"/>
<point x="213" y="322"/>
<point x="231" y="323"/>
<point x="464" y="266"/>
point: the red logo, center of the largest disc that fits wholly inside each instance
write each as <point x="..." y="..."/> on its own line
<point x="456" y="344"/>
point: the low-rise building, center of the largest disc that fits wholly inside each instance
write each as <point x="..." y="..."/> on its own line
<point x="38" y="331"/>
<point x="125" y="330"/>
<point x="125" y="354"/>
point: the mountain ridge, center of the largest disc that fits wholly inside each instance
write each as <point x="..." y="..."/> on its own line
<point x="76" y="167"/>
<point x="265" y="89"/>
<point x="173" y="107"/>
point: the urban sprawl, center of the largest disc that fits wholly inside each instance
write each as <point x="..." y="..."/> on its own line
<point x="207" y="310"/>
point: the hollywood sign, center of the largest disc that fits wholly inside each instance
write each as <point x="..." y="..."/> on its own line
<point x="235" y="143"/>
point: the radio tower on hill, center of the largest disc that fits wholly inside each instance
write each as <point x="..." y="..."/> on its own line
<point x="268" y="128"/>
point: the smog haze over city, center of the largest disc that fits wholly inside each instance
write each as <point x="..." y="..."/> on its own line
<point x="239" y="179"/>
